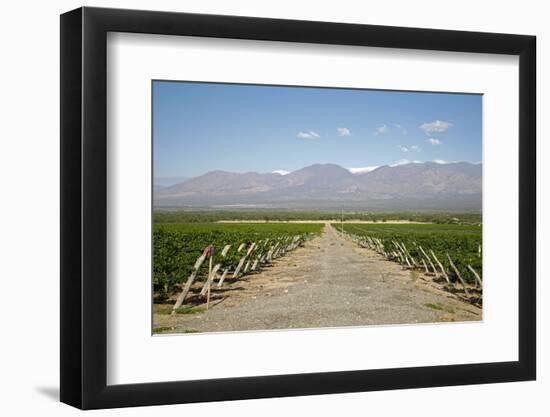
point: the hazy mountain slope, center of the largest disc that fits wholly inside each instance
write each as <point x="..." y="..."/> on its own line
<point x="411" y="186"/>
<point x="422" y="180"/>
<point x="225" y="183"/>
<point x="168" y="181"/>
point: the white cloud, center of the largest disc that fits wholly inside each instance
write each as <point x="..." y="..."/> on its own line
<point x="362" y="170"/>
<point x="382" y="130"/>
<point x="280" y="172"/>
<point x="343" y="131"/>
<point x="436" y="126"/>
<point x="434" y="141"/>
<point x="412" y="148"/>
<point x="308" y="135"/>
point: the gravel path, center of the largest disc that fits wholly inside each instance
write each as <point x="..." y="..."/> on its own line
<point x="330" y="282"/>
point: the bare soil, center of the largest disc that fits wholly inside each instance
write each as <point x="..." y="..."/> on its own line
<point x="330" y="282"/>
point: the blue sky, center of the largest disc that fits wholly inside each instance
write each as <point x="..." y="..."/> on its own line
<point x="200" y="127"/>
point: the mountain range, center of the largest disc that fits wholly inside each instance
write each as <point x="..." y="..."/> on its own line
<point x="410" y="186"/>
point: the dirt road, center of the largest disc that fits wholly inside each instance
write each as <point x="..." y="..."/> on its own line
<point x="330" y="282"/>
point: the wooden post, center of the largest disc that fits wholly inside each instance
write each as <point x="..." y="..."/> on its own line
<point x="409" y="254"/>
<point x="408" y="263"/>
<point x="225" y="250"/>
<point x="211" y="275"/>
<point x="189" y="282"/>
<point x="404" y="252"/>
<point x="441" y="266"/>
<point x="220" y="282"/>
<point x="209" y="280"/>
<point x="425" y="266"/>
<point x="399" y="255"/>
<point x="251" y="248"/>
<point x="458" y="274"/>
<point x="428" y="258"/>
<point x="478" y="279"/>
<point x="239" y="266"/>
<point x="269" y="254"/>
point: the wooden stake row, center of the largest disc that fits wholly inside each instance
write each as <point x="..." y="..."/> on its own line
<point x="246" y="263"/>
<point x="399" y="253"/>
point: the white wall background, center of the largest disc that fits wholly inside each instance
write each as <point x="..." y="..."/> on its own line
<point x="29" y="228"/>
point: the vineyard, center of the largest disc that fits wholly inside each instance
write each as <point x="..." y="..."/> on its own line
<point x="187" y="253"/>
<point x="451" y="252"/>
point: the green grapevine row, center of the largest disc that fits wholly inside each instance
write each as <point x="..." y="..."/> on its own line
<point x="177" y="246"/>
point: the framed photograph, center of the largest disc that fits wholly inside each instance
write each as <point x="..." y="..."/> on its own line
<point x="257" y="208"/>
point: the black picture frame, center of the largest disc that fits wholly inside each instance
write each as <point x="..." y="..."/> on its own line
<point x="84" y="207"/>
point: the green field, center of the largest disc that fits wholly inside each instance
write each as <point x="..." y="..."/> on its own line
<point x="176" y="246"/>
<point x="461" y="242"/>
